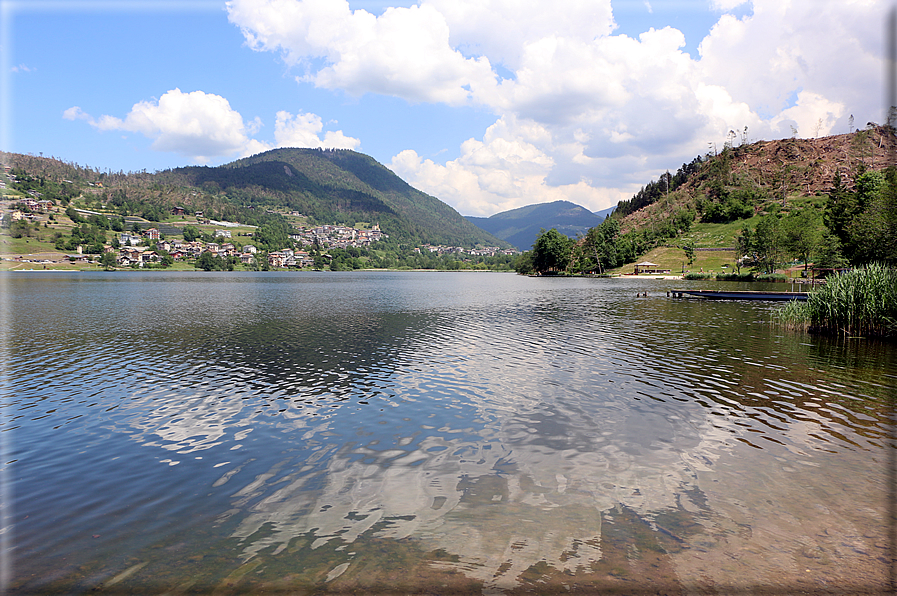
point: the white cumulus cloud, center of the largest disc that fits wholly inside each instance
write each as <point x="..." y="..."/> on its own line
<point x="196" y="124"/>
<point x="304" y="130"/>
<point x="404" y="52"/>
<point x="75" y="113"/>
<point x="503" y="171"/>
<point x="204" y="126"/>
<point x="611" y="110"/>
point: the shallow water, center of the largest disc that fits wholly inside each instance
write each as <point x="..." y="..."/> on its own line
<point x="433" y="432"/>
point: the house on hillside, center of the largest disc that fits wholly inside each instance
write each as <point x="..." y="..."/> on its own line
<point x="129" y="239"/>
<point x="277" y="259"/>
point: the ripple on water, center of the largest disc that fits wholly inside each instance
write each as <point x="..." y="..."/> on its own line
<point x="502" y="420"/>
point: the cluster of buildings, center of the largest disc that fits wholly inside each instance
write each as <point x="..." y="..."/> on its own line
<point x="7" y="176"/>
<point x="489" y="251"/>
<point x="130" y="253"/>
<point x="337" y="236"/>
<point x="28" y="207"/>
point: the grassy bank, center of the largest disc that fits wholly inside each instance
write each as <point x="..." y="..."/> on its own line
<point x="862" y="302"/>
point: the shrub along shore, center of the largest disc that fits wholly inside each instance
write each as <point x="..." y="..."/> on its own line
<point x="862" y="302"/>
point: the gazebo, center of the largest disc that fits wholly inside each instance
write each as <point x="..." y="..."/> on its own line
<point x="646" y="267"/>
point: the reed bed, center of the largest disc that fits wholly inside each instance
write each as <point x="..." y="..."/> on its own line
<point x="862" y="302"/>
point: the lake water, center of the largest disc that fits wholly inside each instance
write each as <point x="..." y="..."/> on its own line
<point x="436" y="433"/>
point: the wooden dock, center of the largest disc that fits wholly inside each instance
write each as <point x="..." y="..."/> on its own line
<point x="740" y="294"/>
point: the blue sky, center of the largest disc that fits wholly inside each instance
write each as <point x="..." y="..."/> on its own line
<point x="486" y="104"/>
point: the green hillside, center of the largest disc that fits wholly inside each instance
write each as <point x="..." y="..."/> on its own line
<point x="766" y="206"/>
<point x="335" y="187"/>
<point x="326" y="187"/>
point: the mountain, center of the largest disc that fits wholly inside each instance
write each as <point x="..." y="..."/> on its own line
<point x="335" y="186"/>
<point x="521" y="226"/>
<point x="605" y="212"/>
<point x="328" y="186"/>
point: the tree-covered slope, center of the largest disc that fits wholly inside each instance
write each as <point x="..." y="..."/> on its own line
<point x="336" y="186"/>
<point x="521" y="226"/>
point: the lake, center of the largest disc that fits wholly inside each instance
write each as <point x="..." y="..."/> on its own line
<point x="439" y="433"/>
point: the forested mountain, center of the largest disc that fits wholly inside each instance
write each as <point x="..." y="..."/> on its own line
<point x="335" y="186"/>
<point x="521" y="226"/>
<point x="327" y="186"/>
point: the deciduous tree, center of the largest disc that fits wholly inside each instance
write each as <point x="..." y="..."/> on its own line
<point x="551" y="252"/>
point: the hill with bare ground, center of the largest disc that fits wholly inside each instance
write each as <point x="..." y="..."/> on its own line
<point x="830" y="200"/>
<point x="761" y="171"/>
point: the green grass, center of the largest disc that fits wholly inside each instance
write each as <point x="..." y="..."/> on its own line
<point x="674" y="260"/>
<point x="723" y="234"/>
<point x="26" y="246"/>
<point x="706" y="235"/>
<point x="862" y="302"/>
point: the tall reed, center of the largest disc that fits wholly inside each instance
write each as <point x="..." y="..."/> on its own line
<point x="860" y="302"/>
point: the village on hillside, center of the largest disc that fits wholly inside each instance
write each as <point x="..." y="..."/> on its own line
<point x="150" y="246"/>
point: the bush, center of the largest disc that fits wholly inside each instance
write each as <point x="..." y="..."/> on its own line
<point x="697" y="275"/>
<point x="772" y="277"/>
<point x="747" y="276"/>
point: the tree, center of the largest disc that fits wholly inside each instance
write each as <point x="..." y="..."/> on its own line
<point x="828" y="251"/>
<point x="873" y="232"/>
<point x="689" y="249"/>
<point x="744" y="247"/>
<point x="801" y="234"/>
<point x="840" y="210"/>
<point x="551" y="252"/>
<point x="524" y="263"/>
<point x="599" y="249"/>
<point x="767" y="243"/>
<point x="209" y="262"/>
<point x="74" y="216"/>
<point x="108" y="260"/>
<point x="865" y="221"/>
<point x="191" y="233"/>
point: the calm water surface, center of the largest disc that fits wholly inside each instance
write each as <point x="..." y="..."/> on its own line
<point x="432" y="433"/>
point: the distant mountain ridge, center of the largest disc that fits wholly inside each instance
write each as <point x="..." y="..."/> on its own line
<point x="521" y="226"/>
